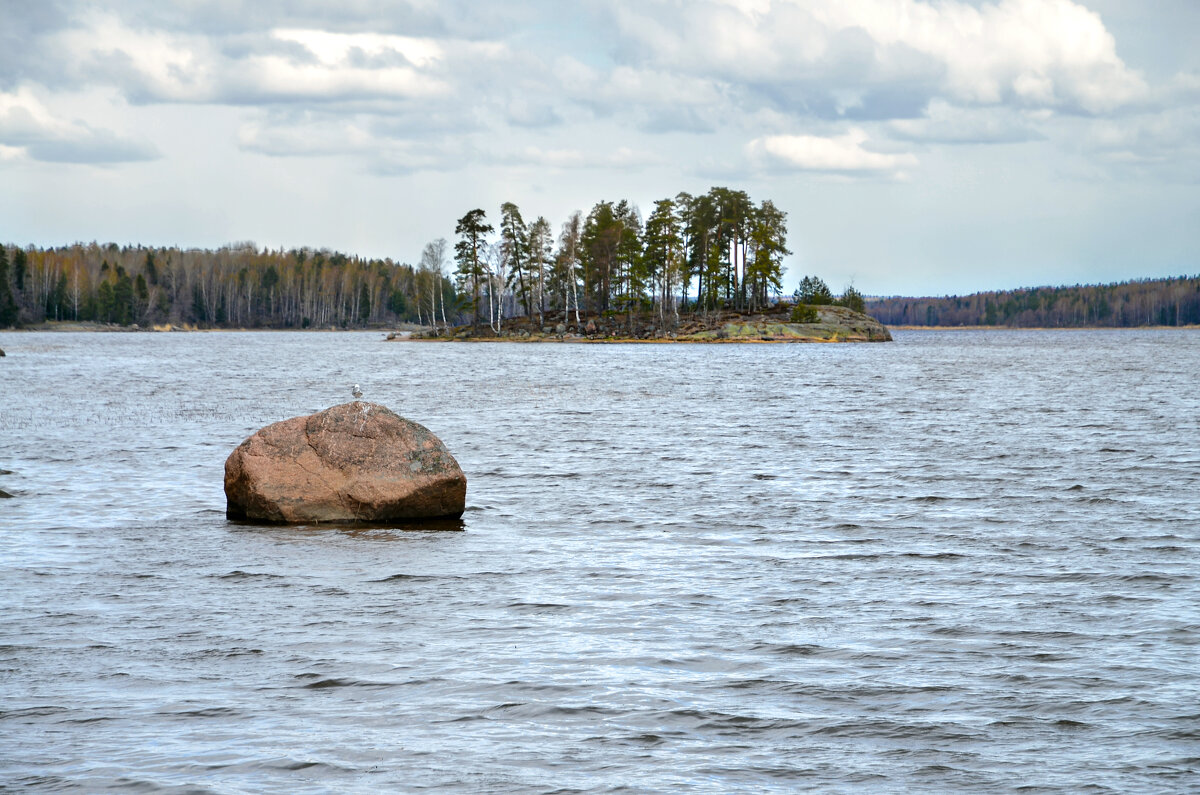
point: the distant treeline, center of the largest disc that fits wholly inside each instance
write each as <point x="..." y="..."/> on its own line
<point x="1149" y="302"/>
<point x="714" y="250"/>
<point x="235" y="286"/>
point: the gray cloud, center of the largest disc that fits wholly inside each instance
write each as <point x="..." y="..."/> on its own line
<point x="26" y="124"/>
<point x="97" y="147"/>
<point x="1160" y="146"/>
<point x="22" y="25"/>
<point x="521" y="113"/>
<point x="1026" y="54"/>
<point x="945" y="124"/>
<point x="684" y="119"/>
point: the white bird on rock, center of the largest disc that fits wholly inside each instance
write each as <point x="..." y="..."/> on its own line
<point x="354" y="390"/>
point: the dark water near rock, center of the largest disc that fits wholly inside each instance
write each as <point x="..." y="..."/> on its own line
<point x="965" y="561"/>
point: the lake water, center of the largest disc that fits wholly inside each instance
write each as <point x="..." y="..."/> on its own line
<point x="964" y="561"/>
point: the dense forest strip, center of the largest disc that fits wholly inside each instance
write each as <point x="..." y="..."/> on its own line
<point x="614" y="261"/>
<point x="1148" y="302"/>
<point x="235" y="286"/>
<point x="717" y="250"/>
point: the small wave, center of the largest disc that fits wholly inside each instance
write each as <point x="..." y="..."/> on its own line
<point x="307" y="764"/>
<point x="32" y="712"/>
<point x="519" y="709"/>
<point x="86" y="721"/>
<point x="238" y="574"/>
<point x="792" y="649"/>
<point x="538" y="607"/>
<point x="206" y="712"/>
<point x="416" y="578"/>
<point x="332" y="682"/>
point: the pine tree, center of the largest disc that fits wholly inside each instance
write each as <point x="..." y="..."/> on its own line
<point x="767" y="247"/>
<point x="364" y="303"/>
<point x="813" y="290"/>
<point x="472" y="230"/>
<point x="514" y="246"/>
<point x="8" y="305"/>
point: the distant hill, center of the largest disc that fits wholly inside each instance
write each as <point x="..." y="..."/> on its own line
<point x="1149" y="302"/>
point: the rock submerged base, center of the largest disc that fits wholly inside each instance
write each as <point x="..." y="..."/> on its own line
<point x="355" y="463"/>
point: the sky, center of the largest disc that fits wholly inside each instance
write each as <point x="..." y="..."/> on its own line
<point x="918" y="148"/>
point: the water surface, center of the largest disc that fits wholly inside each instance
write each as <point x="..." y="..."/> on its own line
<point x="963" y="561"/>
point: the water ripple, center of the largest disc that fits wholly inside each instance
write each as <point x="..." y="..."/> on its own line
<point x="962" y="562"/>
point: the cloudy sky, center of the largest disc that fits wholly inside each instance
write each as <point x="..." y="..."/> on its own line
<point x="918" y="146"/>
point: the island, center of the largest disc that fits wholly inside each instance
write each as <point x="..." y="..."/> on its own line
<point x="779" y="323"/>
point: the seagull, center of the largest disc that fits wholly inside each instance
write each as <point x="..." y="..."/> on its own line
<point x="354" y="390"/>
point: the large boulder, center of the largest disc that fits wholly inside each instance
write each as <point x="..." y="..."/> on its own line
<point x="357" y="462"/>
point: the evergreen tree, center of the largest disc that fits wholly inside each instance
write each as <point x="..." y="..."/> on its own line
<point x="122" y="298"/>
<point x="20" y="269"/>
<point x="663" y="255"/>
<point x="514" y="246"/>
<point x="629" y="274"/>
<point x="8" y="305"/>
<point x="151" y="269"/>
<point x="364" y="303"/>
<point x="768" y="247"/>
<point x="852" y="299"/>
<point x="539" y="247"/>
<point x="813" y="290"/>
<point x="734" y="211"/>
<point x="472" y="230"/>
<point x="104" y="302"/>
<point x="599" y="241"/>
<point x="141" y="294"/>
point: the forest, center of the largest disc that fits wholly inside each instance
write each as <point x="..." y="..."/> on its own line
<point x="614" y="261"/>
<point x="1148" y="302"/>
<point x="235" y="286"/>
<point x="691" y="253"/>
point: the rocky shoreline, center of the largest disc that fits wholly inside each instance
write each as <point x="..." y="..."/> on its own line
<point x="833" y="324"/>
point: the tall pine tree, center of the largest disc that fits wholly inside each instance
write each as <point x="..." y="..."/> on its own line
<point x="472" y="230"/>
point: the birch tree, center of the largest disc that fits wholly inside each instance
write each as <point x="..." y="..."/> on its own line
<point x="539" y="261"/>
<point x="567" y="262"/>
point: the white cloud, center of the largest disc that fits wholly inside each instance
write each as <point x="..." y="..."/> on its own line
<point x="844" y="154"/>
<point x="1030" y="53"/>
<point x="28" y="127"/>
<point x="142" y="63"/>
<point x="1164" y="146"/>
<point x="337" y="48"/>
<point x="285" y="65"/>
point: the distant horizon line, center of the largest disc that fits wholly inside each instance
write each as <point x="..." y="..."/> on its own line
<point x="868" y="297"/>
<point x="1031" y="288"/>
